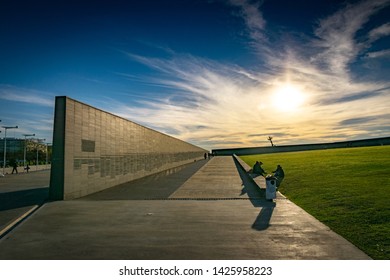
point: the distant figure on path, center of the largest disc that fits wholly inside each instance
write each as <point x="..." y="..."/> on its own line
<point x="205" y="155"/>
<point x="27" y="168"/>
<point x="15" y="166"/>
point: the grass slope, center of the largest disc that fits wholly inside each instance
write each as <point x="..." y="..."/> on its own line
<point x="346" y="189"/>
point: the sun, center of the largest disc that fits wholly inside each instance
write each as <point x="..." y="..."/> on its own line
<point x="287" y="98"/>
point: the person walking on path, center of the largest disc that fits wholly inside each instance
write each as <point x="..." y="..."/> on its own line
<point x="15" y="166"/>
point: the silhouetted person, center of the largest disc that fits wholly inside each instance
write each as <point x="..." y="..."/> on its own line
<point x="15" y="167"/>
<point x="27" y="168"/>
<point x="258" y="170"/>
<point x="205" y="155"/>
<point x="279" y="175"/>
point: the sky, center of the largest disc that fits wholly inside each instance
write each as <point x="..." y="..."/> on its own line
<point x="217" y="74"/>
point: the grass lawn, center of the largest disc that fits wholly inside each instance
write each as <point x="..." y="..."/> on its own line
<point x="346" y="189"/>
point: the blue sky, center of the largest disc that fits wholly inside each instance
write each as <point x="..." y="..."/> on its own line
<point x="214" y="73"/>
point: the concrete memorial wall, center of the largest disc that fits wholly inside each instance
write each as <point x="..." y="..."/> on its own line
<point x="302" y="147"/>
<point x="94" y="150"/>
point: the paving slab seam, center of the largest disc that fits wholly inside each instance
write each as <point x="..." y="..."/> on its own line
<point x="201" y="198"/>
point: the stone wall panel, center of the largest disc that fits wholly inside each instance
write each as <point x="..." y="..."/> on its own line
<point x="102" y="150"/>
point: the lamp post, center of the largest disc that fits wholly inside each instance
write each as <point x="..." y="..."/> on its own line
<point x="25" y="147"/>
<point x="5" y="143"/>
<point x="38" y="140"/>
<point x="47" y="153"/>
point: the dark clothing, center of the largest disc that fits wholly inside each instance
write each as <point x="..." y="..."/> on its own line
<point x="279" y="175"/>
<point x="15" y="167"/>
<point x="279" y="172"/>
<point x="257" y="169"/>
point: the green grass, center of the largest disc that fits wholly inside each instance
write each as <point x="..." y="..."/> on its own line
<point x="346" y="189"/>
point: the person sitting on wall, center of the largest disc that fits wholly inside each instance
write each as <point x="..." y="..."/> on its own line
<point x="257" y="170"/>
<point x="279" y="175"/>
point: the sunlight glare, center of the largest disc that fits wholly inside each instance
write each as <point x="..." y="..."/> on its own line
<point x="287" y="98"/>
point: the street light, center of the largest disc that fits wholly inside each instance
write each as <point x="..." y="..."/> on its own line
<point x="38" y="140"/>
<point x="25" y="147"/>
<point x="47" y="153"/>
<point x="5" y="143"/>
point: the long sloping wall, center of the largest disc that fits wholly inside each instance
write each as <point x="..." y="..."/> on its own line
<point x="94" y="150"/>
<point x="304" y="147"/>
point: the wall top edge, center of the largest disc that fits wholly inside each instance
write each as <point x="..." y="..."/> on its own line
<point x="369" y="140"/>
<point x="106" y="112"/>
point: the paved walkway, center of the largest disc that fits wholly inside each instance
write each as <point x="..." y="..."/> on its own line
<point x="21" y="193"/>
<point x="21" y="170"/>
<point x="206" y="214"/>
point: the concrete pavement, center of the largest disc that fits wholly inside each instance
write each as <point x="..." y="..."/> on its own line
<point x="19" y="194"/>
<point x="208" y="210"/>
<point x="21" y="170"/>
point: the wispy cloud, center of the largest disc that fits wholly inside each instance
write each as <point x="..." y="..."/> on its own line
<point x="216" y="104"/>
<point x="254" y="19"/>
<point x="379" y="54"/>
<point x="256" y="28"/>
<point x="23" y="95"/>
<point x="336" y="34"/>
<point x="379" y="32"/>
<point x="372" y="92"/>
<point x="24" y="112"/>
<point x="361" y="120"/>
<point x="228" y="103"/>
<point x="231" y="105"/>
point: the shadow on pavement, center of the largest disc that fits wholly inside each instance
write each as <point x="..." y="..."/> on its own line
<point x="156" y="186"/>
<point x="262" y="220"/>
<point x="22" y="198"/>
<point x="257" y="197"/>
